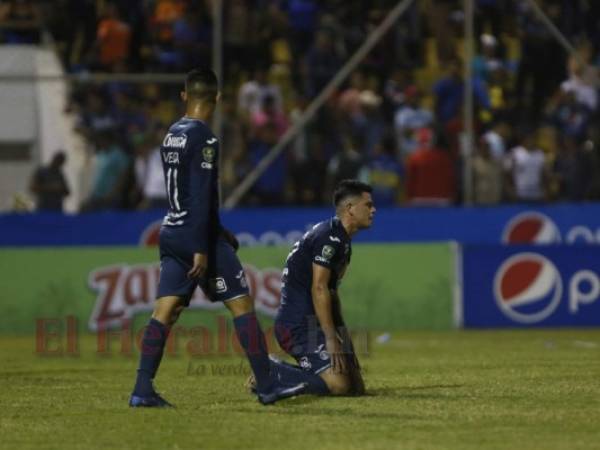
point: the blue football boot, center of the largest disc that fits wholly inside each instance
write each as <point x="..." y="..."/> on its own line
<point x="278" y="391"/>
<point x="150" y="401"/>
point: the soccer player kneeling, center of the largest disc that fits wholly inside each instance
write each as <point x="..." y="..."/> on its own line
<point x="309" y="325"/>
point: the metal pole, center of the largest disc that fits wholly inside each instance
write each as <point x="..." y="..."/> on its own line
<point x="217" y="62"/>
<point x="555" y="31"/>
<point x="467" y="141"/>
<point x="311" y="110"/>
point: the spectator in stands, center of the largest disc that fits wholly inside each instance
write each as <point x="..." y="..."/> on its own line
<point x="110" y="174"/>
<point x="449" y="93"/>
<point x="303" y="15"/>
<point x="385" y="174"/>
<point x="346" y="164"/>
<point x="269" y="114"/>
<point x="430" y="174"/>
<point x="573" y="171"/>
<point x="527" y="172"/>
<point x="168" y="35"/>
<point x="580" y="83"/>
<point x="349" y="101"/>
<point x="272" y="34"/>
<point x="192" y="39"/>
<point x="269" y="189"/>
<point x="20" y="22"/>
<point x="321" y="63"/>
<point x="149" y="177"/>
<point x="487" y="61"/>
<point x="408" y="119"/>
<point x="113" y="38"/>
<point x="570" y="116"/>
<point x="95" y="115"/>
<point x="394" y="92"/>
<point x="439" y="15"/>
<point x="496" y="137"/>
<point x="238" y="37"/>
<point x="252" y="93"/>
<point x="488" y="173"/>
<point x="164" y="15"/>
<point x="49" y="186"/>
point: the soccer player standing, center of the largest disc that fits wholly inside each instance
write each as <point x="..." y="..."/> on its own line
<point x="309" y="325"/>
<point x="195" y="250"/>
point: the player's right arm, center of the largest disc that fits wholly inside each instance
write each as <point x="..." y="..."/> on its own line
<point x="204" y="174"/>
<point x="322" y="302"/>
<point x="199" y="265"/>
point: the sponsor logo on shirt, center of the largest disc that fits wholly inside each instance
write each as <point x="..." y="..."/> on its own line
<point x="173" y="141"/>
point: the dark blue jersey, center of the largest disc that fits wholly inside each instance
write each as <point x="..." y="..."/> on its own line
<point x="189" y="154"/>
<point x="327" y="245"/>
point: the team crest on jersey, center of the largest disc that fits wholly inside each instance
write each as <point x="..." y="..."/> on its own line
<point x="209" y="154"/>
<point x="327" y="252"/>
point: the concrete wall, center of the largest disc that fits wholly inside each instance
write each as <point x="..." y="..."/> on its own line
<point x="33" y="123"/>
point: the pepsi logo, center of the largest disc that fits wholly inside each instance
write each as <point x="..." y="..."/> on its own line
<point x="527" y="287"/>
<point x="531" y="227"/>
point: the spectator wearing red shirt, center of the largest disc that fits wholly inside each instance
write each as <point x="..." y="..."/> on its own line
<point x="430" y="173"/>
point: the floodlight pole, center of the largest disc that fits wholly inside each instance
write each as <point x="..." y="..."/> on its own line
<point x="468" y="109"/>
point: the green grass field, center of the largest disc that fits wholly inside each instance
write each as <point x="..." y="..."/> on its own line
<point x="427" y="390"/>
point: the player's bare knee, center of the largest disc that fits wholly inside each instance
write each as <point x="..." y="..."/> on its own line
<point x="240" y="306"/>
<point x="175" y="314"/>
<point x="165" y="308"/>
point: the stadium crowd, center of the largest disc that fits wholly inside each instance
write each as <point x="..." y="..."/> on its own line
<point x="396" y="122"/>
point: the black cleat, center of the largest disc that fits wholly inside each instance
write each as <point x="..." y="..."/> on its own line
<point x="150" y="401"/>
<point x="280" y="391"/>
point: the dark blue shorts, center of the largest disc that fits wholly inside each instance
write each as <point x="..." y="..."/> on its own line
<point x="305" y="343"/>
<point x="225" y="279"/>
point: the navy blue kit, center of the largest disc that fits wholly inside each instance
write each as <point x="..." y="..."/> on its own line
<point x="296" y="325"/>
<point x="190" y="155"/>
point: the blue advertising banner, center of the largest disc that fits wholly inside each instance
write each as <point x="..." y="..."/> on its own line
<point x="527" y="286"/>
<point x="555" y="224"/>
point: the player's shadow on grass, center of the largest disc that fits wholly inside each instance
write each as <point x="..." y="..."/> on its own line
<point x="412" y="391"/>
<point x="310" y="405"/>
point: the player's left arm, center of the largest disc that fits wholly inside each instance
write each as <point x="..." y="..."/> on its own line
<point x="353" y="366"/>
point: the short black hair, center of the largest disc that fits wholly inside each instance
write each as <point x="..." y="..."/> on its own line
<point x="202" y="84"/>
<point x="349" y="188"/>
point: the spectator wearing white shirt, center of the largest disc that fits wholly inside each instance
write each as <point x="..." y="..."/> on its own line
<point x="581" y="86"/>
<point x="149" y="177"/>
<point x="527" y="172"/>
<point x="253" y="92"/>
